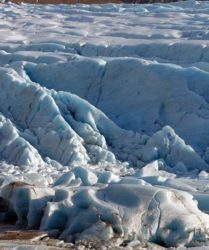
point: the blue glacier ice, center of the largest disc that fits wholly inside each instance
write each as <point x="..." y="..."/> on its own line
<point x="104" y="116"/>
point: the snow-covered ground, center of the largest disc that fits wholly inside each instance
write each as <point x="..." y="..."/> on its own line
<point x="104" y="117"/>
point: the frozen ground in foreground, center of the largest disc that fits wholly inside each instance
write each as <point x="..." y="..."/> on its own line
<point x="104" y="116"/>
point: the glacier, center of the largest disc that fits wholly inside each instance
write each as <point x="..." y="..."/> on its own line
<point x="104" y="116"/>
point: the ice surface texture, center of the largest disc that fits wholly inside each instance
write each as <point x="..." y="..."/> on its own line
<point x="121" y="211"/>
<point x="104" y="116"/>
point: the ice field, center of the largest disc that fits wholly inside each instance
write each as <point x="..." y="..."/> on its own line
<point x="104" y="117"/>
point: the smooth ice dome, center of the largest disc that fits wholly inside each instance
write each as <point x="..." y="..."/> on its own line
<point x="104" y="116"/>
<point x="142" y="212"/>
